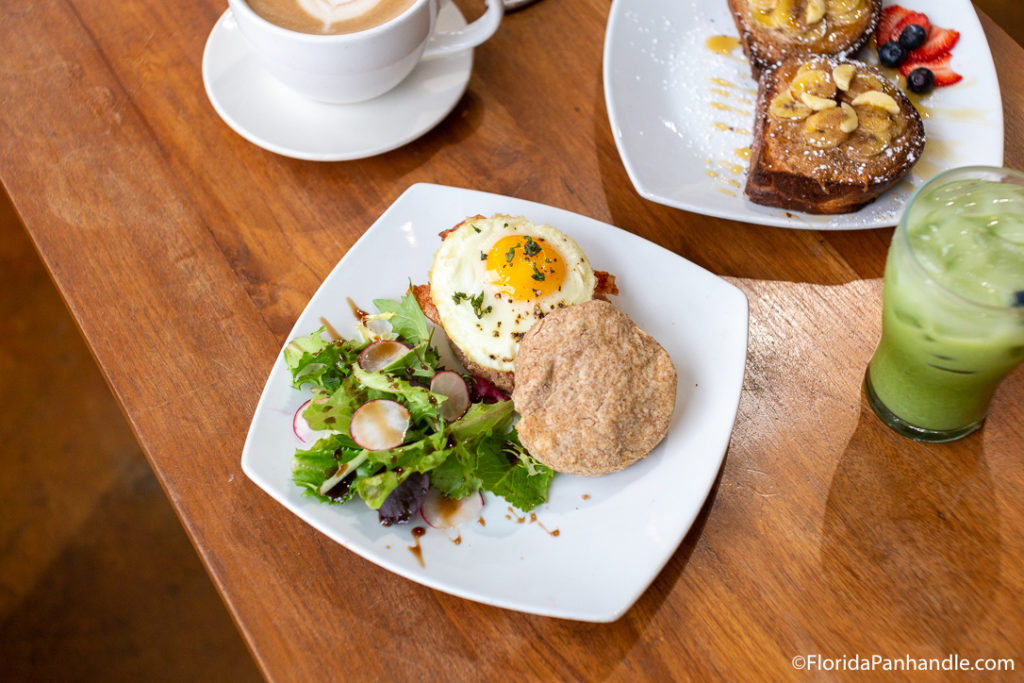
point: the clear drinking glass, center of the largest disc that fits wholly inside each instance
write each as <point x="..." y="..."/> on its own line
<point x="953" y="304"/>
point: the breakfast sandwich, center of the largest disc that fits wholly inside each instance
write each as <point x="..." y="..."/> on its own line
<point x="493" y="278"/>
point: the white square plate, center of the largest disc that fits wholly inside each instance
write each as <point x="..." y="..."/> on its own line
<point x="679" y="112"/>
<point x="615" y="533"/>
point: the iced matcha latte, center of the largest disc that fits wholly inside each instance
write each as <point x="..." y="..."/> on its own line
<point x="953" y="304"/>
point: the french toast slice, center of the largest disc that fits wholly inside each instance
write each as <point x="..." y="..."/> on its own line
<point x="830" y="136"/>
<point x="772" y="30"/>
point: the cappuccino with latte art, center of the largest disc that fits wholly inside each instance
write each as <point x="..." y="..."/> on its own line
<point x="329" y="17"/>
<point x="348" y="51"/>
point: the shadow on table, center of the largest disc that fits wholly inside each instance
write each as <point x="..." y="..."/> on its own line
<point x="910" y="536"/>
<point x="608" y="645"/>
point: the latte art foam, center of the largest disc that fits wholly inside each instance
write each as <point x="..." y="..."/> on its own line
<point x="332" y="11"/>
<point x="329" y="16"/>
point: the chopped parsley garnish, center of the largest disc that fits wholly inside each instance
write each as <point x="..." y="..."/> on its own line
<point x="511" y="253"/>
<point x="477" y="302"/>
<point x="531" y="248"/>
<point x="475" y="228"/>
<point x="537" y="275"/>
<point x="478" y="305"/>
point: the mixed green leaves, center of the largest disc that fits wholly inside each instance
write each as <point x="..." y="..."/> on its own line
<point x="480" y="450"/>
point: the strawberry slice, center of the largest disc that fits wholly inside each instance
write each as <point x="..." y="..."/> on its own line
<point x="939" y="42"/>
<point x="939" y="67"/>
<point x="908" y="19"/>
<point x="891" y="15"/>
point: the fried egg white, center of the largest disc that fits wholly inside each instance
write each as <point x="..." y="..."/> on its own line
<point x="493" y="278"/>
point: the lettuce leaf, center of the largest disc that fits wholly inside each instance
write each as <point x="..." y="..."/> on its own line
<point x="422" y="403"/>
<point x="312" y="467"/>
<point x="321" y="362"/>
<point x="407" y="319"/>
<point x="419" y="456"/>
<point x="456" y="476"/>
<point x="507" y="470"/>
<point x="483" y="419"/>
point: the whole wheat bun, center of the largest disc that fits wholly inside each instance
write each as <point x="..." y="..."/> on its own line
<point x="595" y="392"/>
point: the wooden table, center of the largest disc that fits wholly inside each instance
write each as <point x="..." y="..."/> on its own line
<point x="185" y="254"/>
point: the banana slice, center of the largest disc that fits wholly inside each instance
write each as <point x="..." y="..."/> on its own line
<point x="877" y="98"/>
<point x="817" y="103"/>
<point x="846" y="12"/>
<point x="864" y="144"/>
<point x="763" y="5"/>
<point x="813" y="82"/>
<point x="849" y="18"/>
<point x="842" y="74"/>
<point x="840" y="7"/>
<point x="784" y="16"/>
<point x="850" y="120"/>
<point x="815" y="11"/>
<point x="785" y="107"/>
<point x="873" y="119"/>
<point x="862" y="82"/>
<point x="812" y="33"/>
<point x="823" y="129"/>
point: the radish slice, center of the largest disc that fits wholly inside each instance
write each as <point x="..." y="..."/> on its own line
<point x="379" y="425"/>
<point x="442" y="512"/>
<point x="381" y="354"/>
<point x="451" y="385"/>
<point x="300" y="426"/>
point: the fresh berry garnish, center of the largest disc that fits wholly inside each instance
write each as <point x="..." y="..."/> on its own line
<point x="912" y="37"/>
<point x="891" y="16"/>
<point x="939" y="67"/>
<point x="891" y="55"/>
<point x="910" y="19"/>
<point x="939" y="42"/>
<point x="1019" y="296"/>
<point x="921" y="80"/>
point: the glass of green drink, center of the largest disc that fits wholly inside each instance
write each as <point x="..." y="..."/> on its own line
<point x="953" y="304"/>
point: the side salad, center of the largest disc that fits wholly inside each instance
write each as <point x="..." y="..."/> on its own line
<point x="396" y="424"/>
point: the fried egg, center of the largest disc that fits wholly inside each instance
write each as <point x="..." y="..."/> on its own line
<point x="493" y="278"/>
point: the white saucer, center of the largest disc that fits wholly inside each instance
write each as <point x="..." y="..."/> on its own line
<point x="266" y="113"/>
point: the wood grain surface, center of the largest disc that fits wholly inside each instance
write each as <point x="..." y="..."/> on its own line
<point x="185" y="254"/>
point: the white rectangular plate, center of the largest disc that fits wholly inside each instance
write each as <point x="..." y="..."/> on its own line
<point x="667" y="123"/>
<point x="615" y="533"/>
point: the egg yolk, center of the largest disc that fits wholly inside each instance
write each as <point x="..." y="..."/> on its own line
<point x="525" y="267"/>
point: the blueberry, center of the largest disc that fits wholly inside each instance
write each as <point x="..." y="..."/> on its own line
<point x="891" y="54"/>
<point x="1019" y="296"/>
<point x="912" y="37"/>
<point x="921" y="80"/>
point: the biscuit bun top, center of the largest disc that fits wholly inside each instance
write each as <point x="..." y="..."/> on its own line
<point x="595" y="392"/>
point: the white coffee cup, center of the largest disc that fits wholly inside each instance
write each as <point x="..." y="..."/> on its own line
<point x="353" y="67"/>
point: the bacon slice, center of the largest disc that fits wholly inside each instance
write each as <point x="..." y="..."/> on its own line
<point x="445" y="233"/>
<point x="422" y="296"/>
